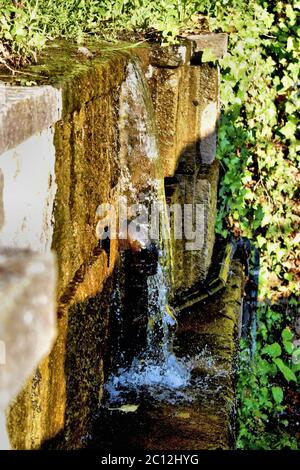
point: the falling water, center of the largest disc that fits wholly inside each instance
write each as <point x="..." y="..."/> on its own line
<point x="156" y="366"/>
<point x="156" y="370"/>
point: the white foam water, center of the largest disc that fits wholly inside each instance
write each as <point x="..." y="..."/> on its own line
<point x="170" y="381"/>
<point x="157" y="369"/>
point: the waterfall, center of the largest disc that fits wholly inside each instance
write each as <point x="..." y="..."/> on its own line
<point x="155" y="371"/>
<point x="142" y="181"/>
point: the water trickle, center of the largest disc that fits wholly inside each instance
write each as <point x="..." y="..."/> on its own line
<point x="155" y="371"/>
<point x="150" y="366"/>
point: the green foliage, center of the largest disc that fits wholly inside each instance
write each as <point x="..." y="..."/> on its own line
<point x="277" y="393"/>
<point x="261" y="407"/>
<point x="25" y="28"/>
<point x="258" y="145"/>
<point x="262" y="383"/>
<point x="258" y="197"/>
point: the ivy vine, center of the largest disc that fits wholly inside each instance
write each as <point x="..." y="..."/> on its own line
<point x="259" y="198"/>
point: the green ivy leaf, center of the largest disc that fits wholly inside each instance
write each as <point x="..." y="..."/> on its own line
<point x="286" y="371"/>
<point x="277" y="393"/>
<point x="289" y="130"/>
<point x="296" y="367"/>
<point x="290" y="44"/>
<point x="287" y="83"/>
<point x="287" y="337"/>
<point x="273" y="350"/>
<point x="208" y="56"/>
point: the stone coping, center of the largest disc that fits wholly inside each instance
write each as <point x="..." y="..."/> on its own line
<point x="27" y="316"/>
<point x="25" y="111"/>
<point x="215" y="42"/>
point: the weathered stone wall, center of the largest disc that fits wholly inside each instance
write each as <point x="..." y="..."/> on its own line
<point x="191" y="265"/>
<point x="185" y="94"/>
<point x="57" y="185"/>
<point x="186" y="103"/>
<point x="86" y="170"/>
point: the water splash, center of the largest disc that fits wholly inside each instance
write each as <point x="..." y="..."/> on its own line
<point x="157" y="373"/>
<point x="157" y="365"/>
<point x="171" y="381"/>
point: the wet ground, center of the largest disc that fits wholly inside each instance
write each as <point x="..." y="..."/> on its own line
<point x="186" y="402"/>
<point x="165" y="426"/>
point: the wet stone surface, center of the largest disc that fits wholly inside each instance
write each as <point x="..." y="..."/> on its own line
<point x="196" y="413"/>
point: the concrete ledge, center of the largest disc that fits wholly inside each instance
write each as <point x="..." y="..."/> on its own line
<point x="215" y="42"/>
<point x="27" y="320"/>
<point x="26" y="111"/>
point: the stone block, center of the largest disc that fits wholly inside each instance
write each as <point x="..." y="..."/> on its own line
<point x="26" y="111"/>
<point x="165" y="86"/>
<point x="27" y="316"/>
<point x="190" y="264"/>
<point x="209" y="109"/>
<point x="170" y="56"/>
<point x="216" y="43"/>
<point x="27" y="193"/>
<point x="186" y="105"/>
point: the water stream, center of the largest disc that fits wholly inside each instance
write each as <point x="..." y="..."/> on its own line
<point x="155" y="367"/>
<point x="146" y="369"/>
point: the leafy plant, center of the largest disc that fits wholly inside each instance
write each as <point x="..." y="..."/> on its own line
<point x="259" y="198"/>
<point x="26" y="26"/>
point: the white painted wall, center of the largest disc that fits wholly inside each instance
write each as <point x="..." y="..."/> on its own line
<point x="28" y="193"/>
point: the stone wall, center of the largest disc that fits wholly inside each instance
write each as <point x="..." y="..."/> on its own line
<point x="185" y="94"/>
<point x="85" y="170"/>
<point x="72" y="155"/>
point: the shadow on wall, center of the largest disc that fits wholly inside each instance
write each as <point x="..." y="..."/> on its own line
<point x="87" y="353"/>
